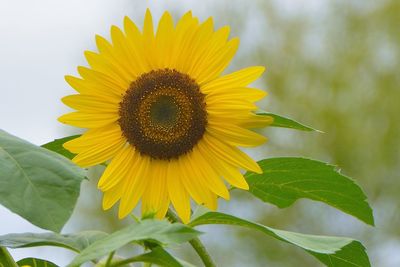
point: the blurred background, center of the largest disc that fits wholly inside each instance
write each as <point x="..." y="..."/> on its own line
<point x="333" y="65"/>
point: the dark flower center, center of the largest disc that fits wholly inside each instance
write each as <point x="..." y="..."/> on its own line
<point x="163" y="114"/>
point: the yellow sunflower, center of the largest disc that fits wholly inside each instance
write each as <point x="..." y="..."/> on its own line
<point x="158" y="108"/>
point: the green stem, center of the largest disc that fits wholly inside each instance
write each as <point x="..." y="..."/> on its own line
<point x="109" y="259"/>
<point x="195" y="243"/>
<point x="127" y="261"/>
<point x="202" y="252"/>
<point x="124" y="262"/>
<point x="6" y="258"/>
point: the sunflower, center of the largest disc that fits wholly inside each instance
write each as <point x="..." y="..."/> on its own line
<point x="161" y="114"/>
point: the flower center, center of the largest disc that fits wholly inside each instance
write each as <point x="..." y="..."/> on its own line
<point x="163" y="114"/>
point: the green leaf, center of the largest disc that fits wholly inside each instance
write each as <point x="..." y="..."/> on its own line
<point x="285" y="180"/>
<point x="280" y="121"/>
<point x="332" y="251"/>
<point x="35" y="263"/>
<point x="352" y="254"/>
<point x="158" y="256"/>
<point x="57" y="146"/>
<point x="6" y="260"/>
<point x="39" y="185"/>
<point x="76" y="242"/>
<point x="160" y="232"/>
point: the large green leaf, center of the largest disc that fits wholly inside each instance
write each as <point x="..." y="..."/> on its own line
<point x="76" y="242"/>
<point x="285" y="180"/>
<point x="161" y="232"/>
<point x="37" y="184"/>
<point x="35" y="263"/>
<point x="332" y="251"/>
<point x="280" y="121"/>
<point x="57" y="146"/>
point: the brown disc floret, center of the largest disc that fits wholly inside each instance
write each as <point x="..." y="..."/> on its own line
<point x="163" y="114"/>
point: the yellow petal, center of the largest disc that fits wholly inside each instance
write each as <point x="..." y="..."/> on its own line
<point x="220" y="62"/>
<point x="94" y="88"/>
<point x="99" y="78"/>
<point x="228" y="110"/>
<point x="138" y="180"/>
<point x="108" y="67"/>
<point x="88" y="120"/>
<point x="207" y="174"/>
<point x="155" y="198"/>
<point x="233" y="176"/>
<point x="234" y="94"/>
<point x="96" y="146"/>
<point x="135" y="45"/>
<point x="149" y="39"/>
<point x="196" y="187"/>
<point x="231" y="154"/>
<point x="177" y="192"/>
<point x="164" y="40"/>
<point x="124" y="55"/>
<point x="235" y="135"/>
<point x="114" y="194"/>
<point x="98" y="154"/>
<point x="107" y="135"/>
<point x="118" y="169"/>
<point x="237" y="79"/>
<point x="184" y="25"/>
<point x="242" y="119"/>
<point x="91" y="103"/>
<point x="183" y="44"/>
<point x="230" y="106"/>
<point x="198" y="44"/>
<point x="148" y="31"/>
<point x="112" y="57"/>
<point x="210" y="48"/>
<point x="228" y="171"/>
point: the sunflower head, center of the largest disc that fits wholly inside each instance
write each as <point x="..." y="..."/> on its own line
<point x="159" y="111"/>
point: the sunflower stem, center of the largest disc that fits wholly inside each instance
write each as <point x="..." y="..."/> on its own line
<point x="6" y="258"/>
<point x="123" y="262"/>
<point x="109" y="259"/>
<point x="195" y="243"/>
<point x="202" y="252"/>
